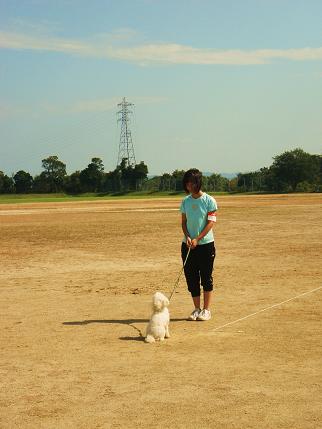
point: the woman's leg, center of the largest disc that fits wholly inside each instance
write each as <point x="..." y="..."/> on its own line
<point x="196" y="301"/>
<point x="207" y="299"/>
<point x="192" y="275"/>
<point x="206" y="262"/>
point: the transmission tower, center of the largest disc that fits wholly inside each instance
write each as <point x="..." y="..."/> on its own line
<point x="126" y="149"/>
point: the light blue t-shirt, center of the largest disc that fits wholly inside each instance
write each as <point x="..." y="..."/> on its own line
<point x="198" y="211"/>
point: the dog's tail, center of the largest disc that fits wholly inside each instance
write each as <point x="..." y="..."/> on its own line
<point x="149" y="339"/>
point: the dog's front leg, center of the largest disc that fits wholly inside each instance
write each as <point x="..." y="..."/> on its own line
<point x="167" y="333"/>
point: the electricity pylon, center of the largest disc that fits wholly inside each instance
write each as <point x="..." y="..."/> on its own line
<point x="126" y="149"/>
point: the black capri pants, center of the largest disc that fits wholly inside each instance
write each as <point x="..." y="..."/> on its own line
<point x="199" y="266"/>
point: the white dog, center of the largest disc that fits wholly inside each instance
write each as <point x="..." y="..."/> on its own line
<point x="158" y="327"/>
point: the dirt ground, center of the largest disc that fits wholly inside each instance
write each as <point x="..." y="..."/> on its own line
<point x="76" y="283"/>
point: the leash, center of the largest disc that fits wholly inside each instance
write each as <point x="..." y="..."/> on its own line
<point x="176" y="283"/>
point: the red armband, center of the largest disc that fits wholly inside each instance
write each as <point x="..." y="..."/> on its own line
<point x="212" y="216"/>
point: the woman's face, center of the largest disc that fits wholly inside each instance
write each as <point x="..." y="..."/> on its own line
<point x="190" y="187"/>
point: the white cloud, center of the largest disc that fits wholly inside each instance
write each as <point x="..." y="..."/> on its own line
<point x="112" y="46"/>
<point x="21" y="42"/>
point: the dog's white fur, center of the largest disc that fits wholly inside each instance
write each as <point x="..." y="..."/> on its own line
<point x="158" y="327"/>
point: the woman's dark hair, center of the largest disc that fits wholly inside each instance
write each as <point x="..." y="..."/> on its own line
<point x="193" y="176"/>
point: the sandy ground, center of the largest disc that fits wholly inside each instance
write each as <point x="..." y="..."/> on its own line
<point x="76" y="282"/>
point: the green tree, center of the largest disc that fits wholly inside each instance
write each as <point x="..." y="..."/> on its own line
<point x="153" y="184"/>
<point x="165" y="182"/>
<point x="7" y="185"/>
<point x="23" y="182"/>
<point x="97" y="164"/>
<point x="127" y="175"/>
<point x="249" y="182"/>
<point x="217" y="183"/>
<point x="92" y="176"/>
<point x="132" y="177"/>
<point x="41" y="184"/>
<point x="72" y="183"/>
<point x="55" y="172"/>
<point x="233" y="185"/>
<point x="177" y="175"/>
<point x="293" y="167"/>
<point x="266" y="179"/>
<point x="111" y="181"/>
<point x="140" y="174"/>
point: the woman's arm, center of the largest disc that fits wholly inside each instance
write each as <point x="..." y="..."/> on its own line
<point x="185" y="230"/>
<point x="204" y="232"/>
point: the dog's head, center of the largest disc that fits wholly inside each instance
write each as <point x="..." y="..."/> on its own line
<point x="159" y="301"/>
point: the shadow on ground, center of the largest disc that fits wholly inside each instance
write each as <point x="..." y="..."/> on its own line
<point x="115" y="321"/>
<point x="129" y="322"/>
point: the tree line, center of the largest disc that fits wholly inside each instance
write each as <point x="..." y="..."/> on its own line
<point x="54" y="178"/>
<point x="291" y="171"/>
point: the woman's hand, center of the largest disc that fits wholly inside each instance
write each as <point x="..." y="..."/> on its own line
<point x="194" y="243"/>
<point x="188" y="242"/>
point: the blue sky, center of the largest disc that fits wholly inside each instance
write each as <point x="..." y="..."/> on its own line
<point x="219" y="85"/>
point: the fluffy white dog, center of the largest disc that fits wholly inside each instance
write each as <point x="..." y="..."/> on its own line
<point x="158" y="327"/>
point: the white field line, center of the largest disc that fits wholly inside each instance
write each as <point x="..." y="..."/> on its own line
<point x="80" y="209"/>
<point x="264" y="309"/>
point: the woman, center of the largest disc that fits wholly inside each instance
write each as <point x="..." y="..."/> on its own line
<point x="198" y="211"/>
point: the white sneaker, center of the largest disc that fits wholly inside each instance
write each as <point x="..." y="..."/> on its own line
<point x="204" y="315"/>
<point x="194" y="315"/>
